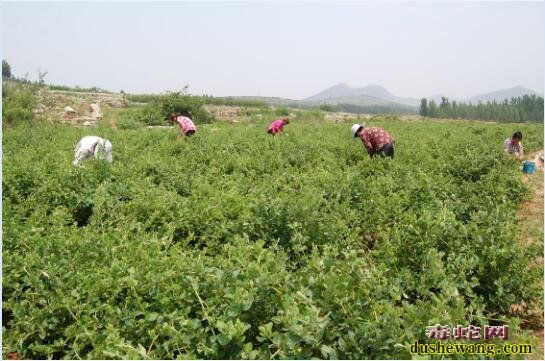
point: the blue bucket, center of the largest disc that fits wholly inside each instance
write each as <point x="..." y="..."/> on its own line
<point x="528" y="167"/>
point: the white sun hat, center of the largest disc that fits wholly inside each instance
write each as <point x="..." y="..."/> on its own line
<point x="355" y="129"/>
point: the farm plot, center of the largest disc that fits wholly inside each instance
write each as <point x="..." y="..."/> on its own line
<point x="234" y="244"/>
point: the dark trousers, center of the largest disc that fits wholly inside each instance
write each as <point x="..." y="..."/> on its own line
<point x="386" y="151"/>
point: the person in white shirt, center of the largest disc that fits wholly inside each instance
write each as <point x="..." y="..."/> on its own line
<point x="90" y="146"/>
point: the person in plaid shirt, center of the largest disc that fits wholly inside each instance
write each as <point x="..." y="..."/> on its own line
<point x="375" y="140"/>
<point x="514" y="146"/>
<point x="187" y="127"/>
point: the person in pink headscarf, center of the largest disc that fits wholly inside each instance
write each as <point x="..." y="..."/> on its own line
<point x="278" y="126"/>
<point x="187" y="127"/>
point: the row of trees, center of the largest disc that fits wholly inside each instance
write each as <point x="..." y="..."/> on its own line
<point x="368" y="109"/>
<point x="528" y="108"/>
<point x="78" y="89"/>
<point x="241" y="102"/>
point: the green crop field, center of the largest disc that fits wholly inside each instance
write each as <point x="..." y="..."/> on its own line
<point x="235" y="244"/>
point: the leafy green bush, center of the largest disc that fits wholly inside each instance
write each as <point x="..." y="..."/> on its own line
<point x="143" y="98"/>
<point x="151" y="115"/>
<point x="158" y="108"/>
<point x="18" y="102"/>
<point x="315" y="114"/>
<point x="127" y="122"/>
<point x="185" y="105"/>
<point x="281" y="111"/>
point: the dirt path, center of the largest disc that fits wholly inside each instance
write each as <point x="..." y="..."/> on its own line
<point x="538" y="355"/>
<point x="532" y="208"/>
<point x="532" y="229"/>
<point x="113" y="123"/>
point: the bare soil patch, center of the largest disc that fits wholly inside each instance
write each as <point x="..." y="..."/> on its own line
<point x="532" y="231"/>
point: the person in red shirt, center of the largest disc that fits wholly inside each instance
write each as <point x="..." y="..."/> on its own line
<point x="375" y="140"/>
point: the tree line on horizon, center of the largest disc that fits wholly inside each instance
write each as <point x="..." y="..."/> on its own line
<point x="527" y="108"/>
<point x="369" y="109"/>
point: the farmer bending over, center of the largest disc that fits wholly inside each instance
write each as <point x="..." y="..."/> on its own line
<point x="514" y="146"/>
<point x="375" y="140"/>
<point x="187" y="127"/>
<point x="278" y="126"/>
<point x="90" y="146"/>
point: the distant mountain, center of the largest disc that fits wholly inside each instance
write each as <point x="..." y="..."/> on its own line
<point x="353" y="104"/>
<point x="343" y="89"/>
<point x="352" y="99"/>
<point x="342" y="97"/>
<point x="501" y="95"/>
<point x="361" y="100"/>
<point x="368" y="95"/>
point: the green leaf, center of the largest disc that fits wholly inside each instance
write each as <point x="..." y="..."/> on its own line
<point x="223" y="339"/>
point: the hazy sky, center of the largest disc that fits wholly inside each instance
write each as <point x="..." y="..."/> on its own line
<point x="287" y="49"/>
